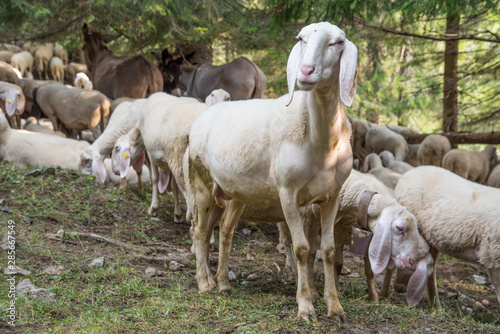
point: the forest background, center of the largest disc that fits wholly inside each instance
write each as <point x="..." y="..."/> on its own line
<point x="430" y="65"/>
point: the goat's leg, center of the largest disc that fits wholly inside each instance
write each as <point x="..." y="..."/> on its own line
<point x="208" y="213"/>
<point x="385" y="293"/>
<point x="286" y="240"/>
<point x="155" y="177"/>
<point x="328" y="214"/>
<point x="301" y="251"/>
<point x="313" y="228"/>
<point x="370" y="280"/>
<point x="177" y="209"/>
<point x="432" y="282"/>
<point x="139" y="181"/>
<point x="495" y="278"/>
<point x="226" y="230"/>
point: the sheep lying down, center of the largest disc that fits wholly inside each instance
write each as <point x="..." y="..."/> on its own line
<point x="457" y="217"/>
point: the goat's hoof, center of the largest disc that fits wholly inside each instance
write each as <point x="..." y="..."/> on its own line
<point x="152" y="212"/>
<point x="226" y="293"/>
<point x="338" y="318"/>
<point x="178" y="218"/>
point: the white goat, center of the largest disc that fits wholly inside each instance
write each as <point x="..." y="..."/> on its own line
<point x="121" y="121"/>
<point x="56" y="66"/>
<point x="292" y="151"/>
<point x="24" y="148"/>
<point x="83" y="81"/>
<point x="23" y="62"/>
<point x="456" y="216"/>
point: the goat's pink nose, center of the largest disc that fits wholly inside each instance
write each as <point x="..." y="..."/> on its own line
<point x="307" y="69"/>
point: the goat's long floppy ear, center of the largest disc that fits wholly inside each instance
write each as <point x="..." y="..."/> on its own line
<point x="163" y="181"/>
<point x="381" y="246"/>
<point x="348" y="65"/>
<point x="292" y="67"/>
<point x="137" y="165"/>
<point x="11" y="102"/>
<point x="418" y="282"/>
<point x="99" y="170"/>
<point x="124" y="161"/>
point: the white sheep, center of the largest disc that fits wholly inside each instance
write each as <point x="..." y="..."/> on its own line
<point x="33" y="125"/>
<point x="471" y="165"/>
<point x="291" y="151"/>
<point x="162" y="133"/>
<point x="60" y="51"/>
<point x="23" y="62"/>
<point x="389" y="161"/>
<point x="432" y="150"/>
<point x="6" y="56"/>
<point x="73" y="68"/>
<point x="121" y="121"/>
<point x="83" y="81"/>
<point x="56" y="66"/>
<point x="395" y="239"/>
<point x="24" y="148"/>
<point x="494" y="178"/>
<point x="379" y="138"/>
<point x="412" y="156"/>
<point x="373" y="165"/>
<point x="73" y="108"/>
<point x="457" y="217"/>
<point x="218" y="95"/>
<point x="43" y="53"/>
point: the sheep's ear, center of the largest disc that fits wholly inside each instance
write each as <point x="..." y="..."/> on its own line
<point x="417" y="283"/>
<point x="124" y="161"/>
<point x="164" y="181"/>
<point x="99" y="170"/>
<point x="348" y="65"/>
<point x="366" y="164"/>
<point x="137" y="165"/>
<point x="292" y="67"/>
<point x="11" y="103"/>
<point x="381" y="246"/>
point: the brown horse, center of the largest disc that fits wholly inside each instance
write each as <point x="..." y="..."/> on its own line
<point x="132" y="76"/>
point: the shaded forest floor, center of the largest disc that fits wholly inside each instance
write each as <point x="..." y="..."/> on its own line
<point x="120" y="298"/>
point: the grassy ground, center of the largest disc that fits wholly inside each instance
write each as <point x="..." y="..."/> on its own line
<point x="120" y="298"/>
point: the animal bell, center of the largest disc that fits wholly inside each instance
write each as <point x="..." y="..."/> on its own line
<point x="360" y="241"/>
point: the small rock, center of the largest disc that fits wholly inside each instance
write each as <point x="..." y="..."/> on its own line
<point x="479" y="279"/>
<point x="13" y="270"/>
<point x="251" y="277"/>
<point x="26" y="220"/>
<point x="175" y="266"/>
<point x="451" y="295"/>
<point x="479" y="305"/>
<point x="250" y="257"/>
<point x="26" y="289"/>
<point x="232" y="276"/>
<point x="345" y="271"/>
<point x="60" y="234"/>
<point x="466" y="309"/>
<point x="427" y="329"/>
<point x="109" y="292"/>
<point x="150" y="272"/>
<point x="465" y="299"/>
<point x="454" y="278"/>
<point x="353" y="275"/>
<point x="99" y="262"/>
<point x="244" y="274"/>
<point x="485" y="302"/>
<point x="246" y="232"/>
<point x="54" y="270"/>
<point x="114" y="215"/>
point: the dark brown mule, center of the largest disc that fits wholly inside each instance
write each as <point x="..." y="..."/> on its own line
<point x="241" y="78"/>
<point x="114" y="76"/>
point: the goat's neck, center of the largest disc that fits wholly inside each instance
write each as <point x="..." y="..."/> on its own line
<point x="326" y="116"/>
<point x="5" y="129"/>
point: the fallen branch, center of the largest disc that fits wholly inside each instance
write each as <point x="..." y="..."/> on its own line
<point x="459" y="137"/>
<point x="181" y="258"/>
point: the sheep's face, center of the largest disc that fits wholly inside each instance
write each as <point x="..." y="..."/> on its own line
<point x="323" y="57"/>
<point x="395" y="240"/>
<point x="86" y="161"/>
<point x="217" y="95"/>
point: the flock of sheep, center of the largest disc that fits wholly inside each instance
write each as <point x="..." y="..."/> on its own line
<point x="287" y="161"/>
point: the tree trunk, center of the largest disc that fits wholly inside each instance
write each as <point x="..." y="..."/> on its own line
<point x="450" y="104"/>
<point x="459" y="137"/>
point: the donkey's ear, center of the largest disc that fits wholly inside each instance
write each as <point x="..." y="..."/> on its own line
<point x="85" y="29"/>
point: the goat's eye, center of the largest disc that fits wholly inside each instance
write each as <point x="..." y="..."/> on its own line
<point x="400" y="228"/>
<point x="341" y="42"/>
